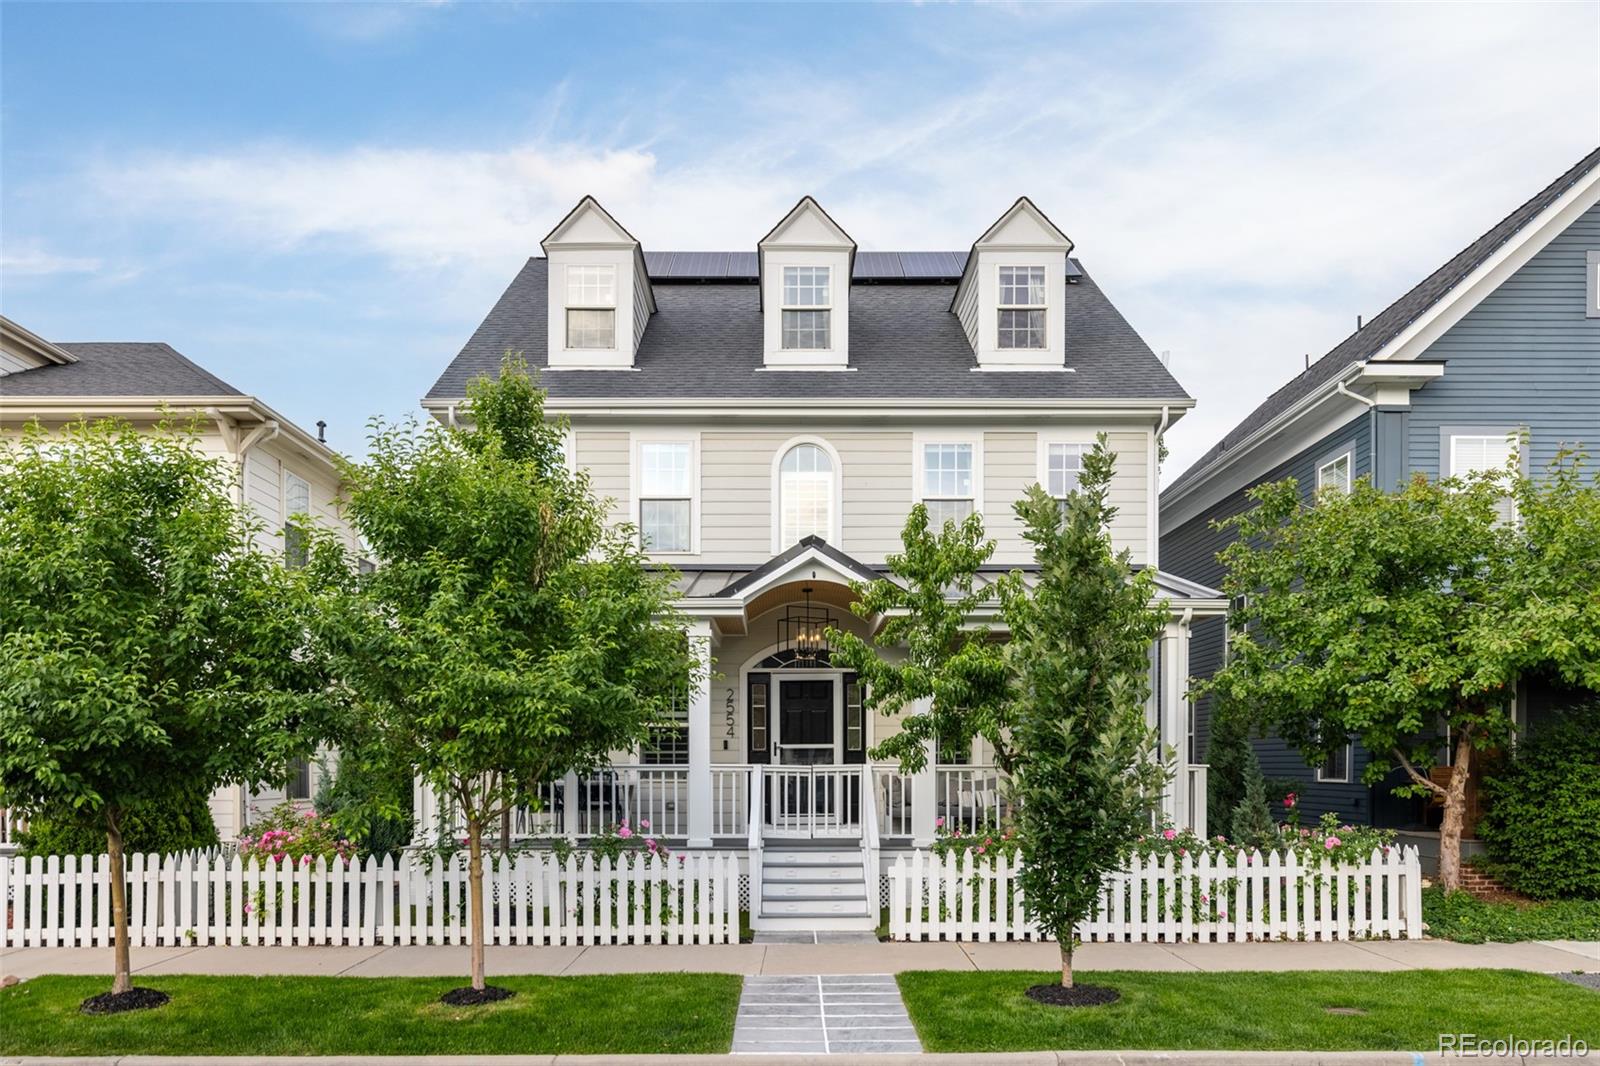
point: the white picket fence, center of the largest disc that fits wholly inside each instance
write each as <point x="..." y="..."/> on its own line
<point x="1200" y="898"/>
<point x="532" y="898"/>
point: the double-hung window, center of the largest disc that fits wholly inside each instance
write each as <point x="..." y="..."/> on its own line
<point x="666" y="495"/>
<point x="1021" y="307"/>
<point x="949" y="487"/>
<point x="1476" y="453"/>
<point x="592" y="307"/>
<point x="296" y="508"/>
<point x="1063" y="466"/>
<point x="1335" y="768"/>
<point x="1334" y="474"/>
<point x="807" y="308"/>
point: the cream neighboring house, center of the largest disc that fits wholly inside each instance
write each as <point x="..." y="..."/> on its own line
<point x="280" y="469"/>
<point x="765" y="420"/>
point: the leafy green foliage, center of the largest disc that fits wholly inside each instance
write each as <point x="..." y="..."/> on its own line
<point x="142" y="641"/>
<point x="181" y="823"/>
<point x="1543" y="806"/>
<point x="1088" y="773"/>
<point x="1408" y="618"/>
<point x="370" y="800"/>
<point x="952" y="679"/>
<point x="1232" y="761"/>
<point x="1463" y="917"/>
<point x="1062" y="701"/>
<point x="508" y="635"/>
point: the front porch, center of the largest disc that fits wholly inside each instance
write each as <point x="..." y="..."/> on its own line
<point x="771" y="756"/>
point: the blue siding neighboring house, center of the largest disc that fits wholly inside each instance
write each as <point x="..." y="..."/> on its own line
<point x="1503" y="337"/>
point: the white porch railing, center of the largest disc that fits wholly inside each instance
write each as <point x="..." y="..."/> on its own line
<point x="1204" y="898"/>
<point x="969" y="797"/>
<point x="11" y="824"/>
<point x="892" y="796"/>
<point x="812" y="801"/>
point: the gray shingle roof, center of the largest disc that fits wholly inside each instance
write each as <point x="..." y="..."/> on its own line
<point x="705" y="341"/>
<point x="135" y="368"/>
<point x="1369" y="340"/>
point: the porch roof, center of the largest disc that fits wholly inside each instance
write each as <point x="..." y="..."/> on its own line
<point x="727" y="590"/>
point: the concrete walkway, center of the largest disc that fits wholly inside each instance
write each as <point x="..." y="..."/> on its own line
<point x="812" y="959"/>
<point x="840" y="1014"/>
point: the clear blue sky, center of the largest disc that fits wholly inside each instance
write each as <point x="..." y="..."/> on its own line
<point x="320" y="202"/>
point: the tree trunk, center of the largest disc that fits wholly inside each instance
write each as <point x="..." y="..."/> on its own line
<point x="122" y="980"/>
<point x="505" y="830"/>
<point x="1455" y="810"/>
<point x="1066" y="962"/>
<point x="475" y="894"/>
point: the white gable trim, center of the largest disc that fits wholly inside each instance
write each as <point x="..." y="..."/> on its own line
<point x="1223" y="476"/>
<point x="807" y="207"/>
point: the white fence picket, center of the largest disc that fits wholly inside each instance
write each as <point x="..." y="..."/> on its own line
<point x="1204" y="898"/>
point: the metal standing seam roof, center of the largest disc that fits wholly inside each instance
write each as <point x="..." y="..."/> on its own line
<point x="705" y="340"/>
<point x="1385" y="326"/>
<point x="120" y="368"/>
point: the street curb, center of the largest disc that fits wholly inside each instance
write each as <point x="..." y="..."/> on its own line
<point x="1021" y="1058"/>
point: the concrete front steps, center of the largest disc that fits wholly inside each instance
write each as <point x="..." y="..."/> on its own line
<point x="814" y="885"/>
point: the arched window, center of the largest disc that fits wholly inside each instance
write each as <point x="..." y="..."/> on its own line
<point x="806" y="491"/>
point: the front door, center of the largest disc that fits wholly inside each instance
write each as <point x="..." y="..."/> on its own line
<point x="805" y="721"/>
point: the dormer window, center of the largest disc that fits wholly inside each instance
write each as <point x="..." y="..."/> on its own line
<point x="591" y="307"/>
<point x="807" y="308"/>
<point x="1021" y="307"/>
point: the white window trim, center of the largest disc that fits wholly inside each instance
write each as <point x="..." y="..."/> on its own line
<point x="1349" y="459"/>
<point x="689" y="437"/>
<point x="783" y="305"/>
<point x="920" y="438"/>
<point x="568" y="306"/>
<point x="1041" y="470"/>
<point x="1349" y="766"/>
<point x="1000" y="306"/>
<point x="835" y="536"/>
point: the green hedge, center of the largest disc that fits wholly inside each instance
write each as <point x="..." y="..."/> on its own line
<point x="1542" y="807"/>
<point x="182" y="824"/>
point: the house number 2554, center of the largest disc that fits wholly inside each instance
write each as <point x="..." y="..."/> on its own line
<point x="730" y="705"/>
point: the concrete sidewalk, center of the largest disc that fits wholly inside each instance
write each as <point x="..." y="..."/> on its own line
<point x="1553" y="956"/>
<point x="1018" y="1058"/>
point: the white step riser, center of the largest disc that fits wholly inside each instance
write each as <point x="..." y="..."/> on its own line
<point x="832" y="923"/>
<point x="810" y="907"/>
<point x="842" y="890"/>
<point x="776" y="857"/>
<point x="811" y="873"/>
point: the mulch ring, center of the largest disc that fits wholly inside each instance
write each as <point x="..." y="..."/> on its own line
<point x="475" y="997"/>
<point x="118" y="1002"/>
<point x="1076" y="996"/>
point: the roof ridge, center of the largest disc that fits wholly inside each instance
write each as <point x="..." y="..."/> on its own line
<point x="1465" y="261"/>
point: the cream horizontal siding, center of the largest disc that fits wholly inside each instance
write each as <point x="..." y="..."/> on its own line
<point x="736" y="490"/>
<point x="604" y="454"/>
<point x="1130" y="492"/>
<point x="1010" y="465"/>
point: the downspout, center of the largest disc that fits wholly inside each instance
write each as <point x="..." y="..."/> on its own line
<point x="1344" y="391"/>
<point x="1153" y="519"/>
<point x="450" y="415"/>
<point x="265" y="431"/>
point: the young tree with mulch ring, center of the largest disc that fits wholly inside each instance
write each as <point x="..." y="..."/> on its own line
<point x="1062" y="702"/>
<point x="147" y="651"/>
<point x="508" y="636"/>
<point x="1407" y="619"/>
<point x="1089" y="772"/>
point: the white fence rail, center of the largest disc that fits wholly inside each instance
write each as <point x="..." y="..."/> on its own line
<point x="196" y="899"/>
<point x="1197" y="899"/>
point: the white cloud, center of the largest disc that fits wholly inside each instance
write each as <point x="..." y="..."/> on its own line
<point x="1242" y="180"/>
<point x="29" y="259"/>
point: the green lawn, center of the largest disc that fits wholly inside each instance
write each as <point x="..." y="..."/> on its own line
<point x="626" y="1014"/>
<point x="987" y="1011"/>
<point x="1466" y="918"/>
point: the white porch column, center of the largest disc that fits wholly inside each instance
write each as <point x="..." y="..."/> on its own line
<point x="924" y="790"/>
<point x="1175" y="716"/>
<point x="700" y="738"/>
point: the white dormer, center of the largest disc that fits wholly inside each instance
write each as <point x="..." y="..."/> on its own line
<point x="598" y="291"/>
<point x="806" y="263"/>
<point x="1011" y="294"/>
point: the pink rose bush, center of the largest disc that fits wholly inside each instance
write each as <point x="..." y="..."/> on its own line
<point x="290" y="836"/>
